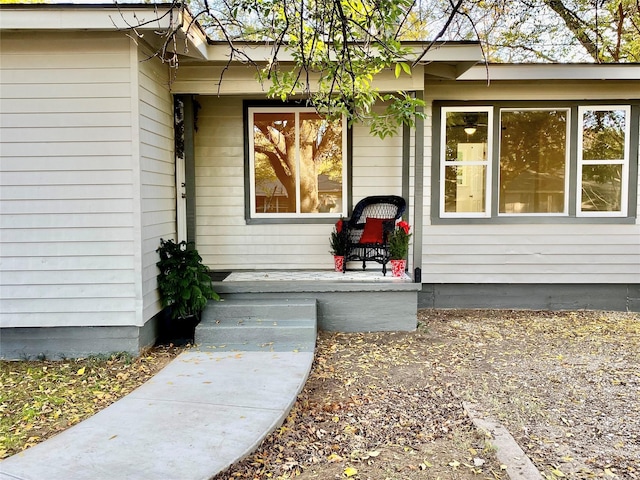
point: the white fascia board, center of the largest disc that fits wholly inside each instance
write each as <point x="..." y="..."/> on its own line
<point x="98" y="17"/>
<point x="197" y="40"/>
<point x="547" y="71"/>
<point x="146" y="21"/>
<point x="262" y="52"/>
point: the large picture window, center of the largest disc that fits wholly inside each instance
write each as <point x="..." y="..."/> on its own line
<point x="511" y="161"/>
<point x="297" y="163"/>
<point x="534" y="161"/>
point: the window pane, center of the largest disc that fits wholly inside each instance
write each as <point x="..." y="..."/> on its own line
<point x="466" y="129"/>
<point x="533" y="156"/>
<point x="465" y="189"/>
<point x="320" y="164"/>
<point x="601" y="188"/>
<point x="603" y="134"/>
<point x="275" y="162"/>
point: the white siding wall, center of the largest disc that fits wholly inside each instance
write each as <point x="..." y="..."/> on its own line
<point x="377" y="164"/>
<point x="66" y="182"/>
<point x="157" y="171"/>
<point x="536" y="252"/>
<point x="223" y="238"/>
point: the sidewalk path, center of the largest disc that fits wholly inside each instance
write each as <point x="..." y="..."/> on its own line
<point x="200" y="414"/>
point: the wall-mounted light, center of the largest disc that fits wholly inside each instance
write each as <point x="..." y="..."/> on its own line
<point x="470" y="130"/>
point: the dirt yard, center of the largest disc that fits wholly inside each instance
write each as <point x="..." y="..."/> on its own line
<point x="389" y="405"/>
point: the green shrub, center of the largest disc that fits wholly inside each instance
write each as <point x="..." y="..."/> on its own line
<point x="184" y="282"/>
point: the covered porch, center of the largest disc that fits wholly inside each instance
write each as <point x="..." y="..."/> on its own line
<point x="354" y="301"/>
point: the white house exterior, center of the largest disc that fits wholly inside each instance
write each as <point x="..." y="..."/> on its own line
<point x="89" y="180"/>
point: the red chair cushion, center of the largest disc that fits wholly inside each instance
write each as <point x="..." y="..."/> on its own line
<point x="374" y="230"/>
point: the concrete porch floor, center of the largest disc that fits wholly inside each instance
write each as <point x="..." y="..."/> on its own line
<point x="365" y="276"/>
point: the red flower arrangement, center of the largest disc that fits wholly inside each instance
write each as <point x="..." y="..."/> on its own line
<point x="404" y="226"/>
<point x="338" y="240"/>
<point x="399" y="241"/>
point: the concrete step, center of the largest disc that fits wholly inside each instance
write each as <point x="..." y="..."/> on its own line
<point x="259" y="309"/>
<point x="268" y="347"/>
<point x="259" y="325"/>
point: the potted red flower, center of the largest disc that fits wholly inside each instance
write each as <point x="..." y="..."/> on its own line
<point x="338" y="243"/>
<point x="399" y="248"/>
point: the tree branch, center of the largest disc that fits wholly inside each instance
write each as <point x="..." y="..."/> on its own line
<point x="440" y="33"/>
<point x="576" y="26"/>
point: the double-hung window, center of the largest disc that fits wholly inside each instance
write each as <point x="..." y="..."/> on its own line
<point x="297" y="163"/>
<point x="510" y="161"/>
<point x="603" y="160"/>
<point x="466" y="153"/>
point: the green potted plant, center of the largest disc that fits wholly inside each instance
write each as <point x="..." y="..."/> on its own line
<point x="338" y="243"/>
<point x="399" y="248"/>
<point x="185" y="288"/>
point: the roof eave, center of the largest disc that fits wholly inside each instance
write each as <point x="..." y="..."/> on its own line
<point x="550" y="72"/>
<point x="443" y="60"/>
<point x="144" y="20"/>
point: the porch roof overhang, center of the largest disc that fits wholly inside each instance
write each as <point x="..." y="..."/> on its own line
<point x="220" y="74"/>
<point x="441" y="60"/>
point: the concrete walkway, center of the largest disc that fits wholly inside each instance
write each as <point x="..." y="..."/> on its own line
<point x="200" y="414"/>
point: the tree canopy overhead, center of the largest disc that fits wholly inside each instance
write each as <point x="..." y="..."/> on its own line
<point x="542" y="30"/>
<point x="335" y="48"/>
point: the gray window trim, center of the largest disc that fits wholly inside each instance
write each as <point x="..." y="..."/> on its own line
<point x="249" y="220"/>
<point x="571" y="217"/>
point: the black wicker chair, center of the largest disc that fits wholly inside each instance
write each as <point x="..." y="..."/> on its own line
<point x="368" y="229"/>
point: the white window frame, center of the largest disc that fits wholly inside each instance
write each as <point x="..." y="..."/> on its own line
<point x="252" y="185"/>
<point x="487" y="163"/>
<point x="624" y="187"/>
<point x="567" y="162"/>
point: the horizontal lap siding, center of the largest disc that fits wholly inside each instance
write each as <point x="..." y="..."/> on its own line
<point x="528" y="253"/>
<point x="377" y="164"/>
<point x="157" y="176"/>
<point x="532" y="254"/>
<point x="66" y="186"/>
<point x="224" y="239"/>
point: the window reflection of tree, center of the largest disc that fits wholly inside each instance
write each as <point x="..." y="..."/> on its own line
<point x="320" y="152"/>
<point x="533" y="159"/>
<point x="601" y="188"/>
<point x="602" y="140"/>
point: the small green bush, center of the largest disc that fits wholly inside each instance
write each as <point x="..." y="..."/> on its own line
<point x="184" y="282"/>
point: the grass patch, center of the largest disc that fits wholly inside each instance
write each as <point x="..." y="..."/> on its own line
<point x="41" y="398"/>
